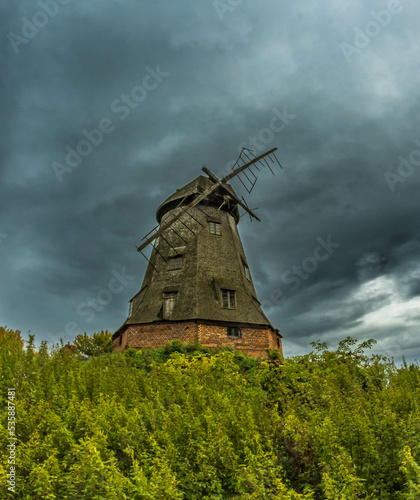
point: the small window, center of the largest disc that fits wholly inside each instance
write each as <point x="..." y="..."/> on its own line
<point x="168" y="304"/>
<point x="120" y="339"/>
<point x="278" y="343"/>
<point x="214" y="228"/>
<point x="175" y="263"/>
<point x="247" y="272"/>
<point x="228" y="299"/>
<point x="234" y="332"/>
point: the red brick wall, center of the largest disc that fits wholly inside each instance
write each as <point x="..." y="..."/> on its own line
<point x="120" y="343"/>
<point x="274" y="341"/>
<point x="157" y="335"/>
<point x="253" y="341"/>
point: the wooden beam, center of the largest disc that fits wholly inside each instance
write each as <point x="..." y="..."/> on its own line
<point x="241" y="169"/>
<point x="210" y="174"/>
<point x="205" y="193"/>
<point x="247" y="209"/>
<point x="165" y="226"/>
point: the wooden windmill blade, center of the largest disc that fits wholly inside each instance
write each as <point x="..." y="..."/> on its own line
<point x="238" y="171"/>
<point x="167" y="225"/>
<point x="247" y="165"/>
<point x="246" y="175"/>
<point x="248" y="210"/>
<point x="237" y="200"/>
<point x="207" y="192"/>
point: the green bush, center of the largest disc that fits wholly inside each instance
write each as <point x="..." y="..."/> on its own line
<point x="189" y="422"/>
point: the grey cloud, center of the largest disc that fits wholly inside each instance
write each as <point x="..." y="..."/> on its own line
<point x="352" y="123"/>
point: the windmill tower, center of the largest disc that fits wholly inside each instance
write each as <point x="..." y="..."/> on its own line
<point x="198" y="286"/>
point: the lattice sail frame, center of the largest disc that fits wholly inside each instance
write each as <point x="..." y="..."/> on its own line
<point x="247" y="153"/>
<point x="255" y="162"/>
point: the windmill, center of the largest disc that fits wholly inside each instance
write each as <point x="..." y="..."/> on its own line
<point x="198" y="286"/>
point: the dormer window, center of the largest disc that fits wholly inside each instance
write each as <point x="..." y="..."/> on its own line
<point x="228" y="299"/>
<point x="214" y="228"/>
<point x="168" y="304"/>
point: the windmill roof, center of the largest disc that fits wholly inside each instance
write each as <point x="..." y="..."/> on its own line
<point x="195" y="187"/>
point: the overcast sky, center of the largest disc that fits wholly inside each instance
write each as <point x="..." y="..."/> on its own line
<point x="150" y="91"/>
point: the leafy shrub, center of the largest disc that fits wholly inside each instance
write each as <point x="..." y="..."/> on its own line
<point x="98" y="343"/>
<point x="189" y="422"/>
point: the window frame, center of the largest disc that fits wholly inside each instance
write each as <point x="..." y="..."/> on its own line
<point x="168" y="298"/>
<point x="238" y="332"/>
<point x="176" y="259"/>
<point x="215" y="228"/>
<point x="229" y="294"/>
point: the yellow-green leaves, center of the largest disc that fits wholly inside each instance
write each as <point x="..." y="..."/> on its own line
<point x="185" y="422"/>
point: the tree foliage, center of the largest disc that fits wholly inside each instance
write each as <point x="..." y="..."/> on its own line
<point x="98" y="343"/>
<point x="187" y="422"/>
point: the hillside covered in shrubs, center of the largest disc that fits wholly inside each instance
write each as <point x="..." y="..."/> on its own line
<point x="190" y="423"/>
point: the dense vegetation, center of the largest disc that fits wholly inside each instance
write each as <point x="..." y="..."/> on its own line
<point x="187" y="423"/>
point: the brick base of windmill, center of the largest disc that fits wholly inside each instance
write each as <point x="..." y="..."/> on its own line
<point x="253" y="341"/>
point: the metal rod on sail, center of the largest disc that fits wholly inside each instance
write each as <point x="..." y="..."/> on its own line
<point x="157" y="251"/>
<point x="183" y="223"/>
<point x="149" y="261"/>
<point x="151" y="231"/>
<point x="277" y="160"/>
<point x="241" y="169"/>
<point x="249" y="159"/>
<point x="179" y="236"/>
<point x="168" y="242"/>
<point x="261" y="161"/>
<point x="196" y="220"/>
<point x="195" y="202"/>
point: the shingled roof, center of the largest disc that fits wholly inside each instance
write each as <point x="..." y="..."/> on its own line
<point x="192" y="189"/>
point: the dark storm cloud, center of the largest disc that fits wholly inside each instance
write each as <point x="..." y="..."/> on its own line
<point x="228" y="76"/>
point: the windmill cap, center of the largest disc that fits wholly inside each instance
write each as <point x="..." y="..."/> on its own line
<point x="189" y="192"/>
